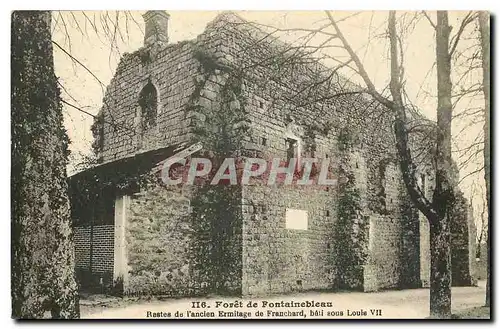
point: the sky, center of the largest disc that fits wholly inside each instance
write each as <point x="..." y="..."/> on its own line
<point x="85" y="36"/>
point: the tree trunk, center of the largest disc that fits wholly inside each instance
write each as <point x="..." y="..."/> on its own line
<point x="42" y="251"/>
<point x="440" y="301"/>
<point x="484" y="28"/>
<point x="440" y="285"/>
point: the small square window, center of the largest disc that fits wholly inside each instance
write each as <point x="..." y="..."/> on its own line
<point x="261" y="104"/>
<point x="263" y="141"/>
<point x="327" y="213"/>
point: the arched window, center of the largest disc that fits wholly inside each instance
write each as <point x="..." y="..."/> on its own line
<point x="148" y="101"/>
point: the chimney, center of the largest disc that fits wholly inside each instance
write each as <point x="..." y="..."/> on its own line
<point x="156" y="22"/>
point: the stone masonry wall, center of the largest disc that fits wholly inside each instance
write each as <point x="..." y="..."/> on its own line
<point x="277" y="259"/>
<point x="461" y="268"/>
<point x="118" y="131"/>
<point x="161" y="263"/>
<point x="158" y="243"/>
<point x="274" y="117"/>
<point x="384" y="268"/>
<point x="410" y="244"/>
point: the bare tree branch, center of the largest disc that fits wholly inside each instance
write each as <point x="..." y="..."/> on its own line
<point x="469" y="18"/>
<point x="429" y="19"/>
<point x="371" y="87"/>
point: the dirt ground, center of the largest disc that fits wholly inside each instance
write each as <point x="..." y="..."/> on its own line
<point x="412" y="303"/>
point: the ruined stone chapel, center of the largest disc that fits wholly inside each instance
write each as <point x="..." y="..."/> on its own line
<point x="242" y="92"/>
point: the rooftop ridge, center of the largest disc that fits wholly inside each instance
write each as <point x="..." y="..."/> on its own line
<point x="234" y="20"/>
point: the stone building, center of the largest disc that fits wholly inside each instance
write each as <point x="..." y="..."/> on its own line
<point x="243" y="93"/>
